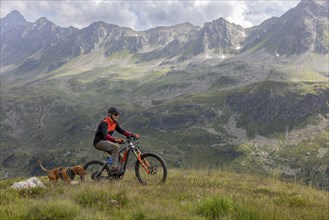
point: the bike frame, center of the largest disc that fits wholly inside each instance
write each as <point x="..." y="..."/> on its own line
<point x="124" y="154"/>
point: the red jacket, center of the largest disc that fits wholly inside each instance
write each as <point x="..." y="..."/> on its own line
<point x="106" y="129"/>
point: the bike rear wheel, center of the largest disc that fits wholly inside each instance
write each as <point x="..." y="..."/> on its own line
<point x="155" y="170"/>
<point x="92" y="167"/>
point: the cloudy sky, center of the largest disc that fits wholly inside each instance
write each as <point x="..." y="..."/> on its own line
<point x="143" y="15"/>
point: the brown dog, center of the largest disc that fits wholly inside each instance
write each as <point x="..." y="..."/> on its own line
<point x="66" y="174"/>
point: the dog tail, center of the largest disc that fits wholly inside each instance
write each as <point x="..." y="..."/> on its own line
<point x="44" y="169"/>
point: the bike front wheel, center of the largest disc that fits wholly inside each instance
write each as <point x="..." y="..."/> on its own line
<point x="94" y="171"/>
<point x="151" y="169"/>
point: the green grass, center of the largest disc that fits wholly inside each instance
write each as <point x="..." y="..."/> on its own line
<point x="187" y="194"/>
<point x="164" y="83"/>
<point x="295" y="74"/>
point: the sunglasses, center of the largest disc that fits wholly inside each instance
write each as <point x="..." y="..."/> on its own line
<point x="115" y="114"/>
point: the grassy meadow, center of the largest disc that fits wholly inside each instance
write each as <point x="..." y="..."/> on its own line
<point x="187" y="194"/>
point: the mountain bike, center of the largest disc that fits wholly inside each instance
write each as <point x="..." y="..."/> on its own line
<point x="150" y="168"/>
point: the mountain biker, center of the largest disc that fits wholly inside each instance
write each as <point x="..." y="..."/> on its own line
<point x="104" y="141"/>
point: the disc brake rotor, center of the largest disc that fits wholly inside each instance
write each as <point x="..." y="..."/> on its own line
<point x="153" y="170"/>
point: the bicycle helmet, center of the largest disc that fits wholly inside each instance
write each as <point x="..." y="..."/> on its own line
<point x="113" y="110"/>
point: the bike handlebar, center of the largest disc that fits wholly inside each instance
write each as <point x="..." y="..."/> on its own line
<point x="130" y="138"/>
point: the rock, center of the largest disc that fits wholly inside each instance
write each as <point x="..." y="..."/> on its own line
<point x="30" y="183"/>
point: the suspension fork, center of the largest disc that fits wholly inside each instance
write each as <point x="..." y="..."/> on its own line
<point x="143" y="162"/>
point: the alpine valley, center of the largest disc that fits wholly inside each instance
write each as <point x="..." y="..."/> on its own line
<point x="245" y="99"/>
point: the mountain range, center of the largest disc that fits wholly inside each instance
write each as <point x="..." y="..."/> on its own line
<point x="250" y="99"/>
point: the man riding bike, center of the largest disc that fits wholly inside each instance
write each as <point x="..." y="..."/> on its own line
<point x="104" y="141"/>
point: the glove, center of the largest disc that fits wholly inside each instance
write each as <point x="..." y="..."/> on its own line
<point x="120" y="141"/>
<point x="136" y="136"/>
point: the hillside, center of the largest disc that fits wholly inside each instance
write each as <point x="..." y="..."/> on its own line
<point x="253" y="100"/>
<point x="188" y="194"/>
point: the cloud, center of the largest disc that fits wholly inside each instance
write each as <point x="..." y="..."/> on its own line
<point x="143" y="15"/>
<point x="262" y="10"/>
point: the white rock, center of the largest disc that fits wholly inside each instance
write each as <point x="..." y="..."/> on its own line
<point x="30" y="183"/>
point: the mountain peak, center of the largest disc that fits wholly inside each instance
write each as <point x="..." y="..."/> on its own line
<point x="101" y="24"/>
<point x="219" y="21"/>
<point x="314" y="5"/>
<point x="42" y="20"/>
<point x="16" y="14"/>
<point x="14" y="17"/>
<point x="301" y="29"/>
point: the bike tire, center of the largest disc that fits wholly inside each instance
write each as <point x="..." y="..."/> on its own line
<point x="92" y="167"/>
<point x="157" y="165"/>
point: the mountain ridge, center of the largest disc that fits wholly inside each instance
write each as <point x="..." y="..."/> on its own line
<point x="216" y="37"/>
